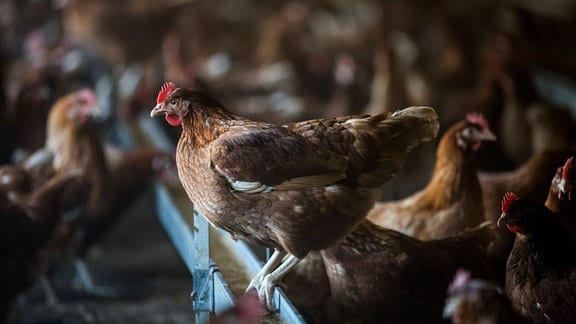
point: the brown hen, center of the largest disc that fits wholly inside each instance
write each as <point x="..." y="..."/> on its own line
<point x="378" y="275"/>
<point x="541" y="269"/>
<point x="297" y="188"/>
<point x="452" y="200"/>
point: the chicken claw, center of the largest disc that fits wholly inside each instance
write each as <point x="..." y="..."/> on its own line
<point x="266" y="291"/>
<point x="274" y="260"/>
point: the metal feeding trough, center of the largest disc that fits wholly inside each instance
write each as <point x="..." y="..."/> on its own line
<point x="191" y="237"/>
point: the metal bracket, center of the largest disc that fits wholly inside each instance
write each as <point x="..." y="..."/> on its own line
<point x="203" y="289"/>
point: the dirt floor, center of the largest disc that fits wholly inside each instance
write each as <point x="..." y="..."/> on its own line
<point x="138" y="260"/>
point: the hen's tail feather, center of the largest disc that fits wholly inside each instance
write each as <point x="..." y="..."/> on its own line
<point x="384" y="140"/>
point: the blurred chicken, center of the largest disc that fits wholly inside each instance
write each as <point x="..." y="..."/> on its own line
<point x="540" y="274"/>
<point x="28" y="221"/>
<point x="273" y="185"/>
<point x="77" y="147"/>
<point x="452" y="200"/>
<point x="561" y="199"/>
<point x="378" y="275"/>
<point x="472" y="301"/>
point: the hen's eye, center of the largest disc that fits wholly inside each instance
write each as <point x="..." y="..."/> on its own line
<point x="173" y="101"/>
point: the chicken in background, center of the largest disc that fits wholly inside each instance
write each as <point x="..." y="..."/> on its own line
<point x="472" y="301"/>
<point x="540" y="273"/>
<point x="561" y="195"/>
<point x="379" y="275"/>
<point x="273" y="185"/>
<point x="77" y="147"/>
<point x="452" y="200"/>
<point x="28" y="222"/>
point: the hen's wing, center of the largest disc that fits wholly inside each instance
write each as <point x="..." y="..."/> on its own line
<point x="259" y="159"/>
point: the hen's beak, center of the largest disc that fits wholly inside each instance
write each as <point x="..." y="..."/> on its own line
<point x="158" y="110"/>
<point x="486" y="135"/>
<point x="501" y="219"/>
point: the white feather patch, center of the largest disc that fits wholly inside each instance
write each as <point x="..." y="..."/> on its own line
<point x="249" y="187"/>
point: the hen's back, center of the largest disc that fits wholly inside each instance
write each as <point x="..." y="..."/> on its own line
<point x="375" y="145"/>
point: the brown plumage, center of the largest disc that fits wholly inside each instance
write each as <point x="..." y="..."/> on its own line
<point x="472" y="301"/>
<point x="452" y="200"/>
<point x="28" y="221"/>
<point x="541" y="269"/>
<point x="287" y="187"/>
<point x="76" y="146"/>
<point x="378" y="275"/>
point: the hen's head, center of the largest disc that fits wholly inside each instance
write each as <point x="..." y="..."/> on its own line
<point x="564" y="180"/>
<point x="473" y="131"/>
<point x="521" y="215"/>
<point x="164" y="166"/>
<point x="177" y="103"/>
<point x="78" y="107"/>
<point x="474" y="300"/>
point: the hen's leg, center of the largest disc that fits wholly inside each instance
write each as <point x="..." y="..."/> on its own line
<point x="266" y="291"/>
<point x="86" y="283"/>
<point x="274" y="260"/>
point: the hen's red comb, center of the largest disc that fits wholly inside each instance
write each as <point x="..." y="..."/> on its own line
<point x="165" y="91"/>
<point x="477" y="119"/>
<point x="507" y="200"/>
<point x="566" y="168"/>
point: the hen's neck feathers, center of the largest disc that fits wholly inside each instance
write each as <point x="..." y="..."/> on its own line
<point x="454" y="173"/>
<point x="201" y="126"/>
